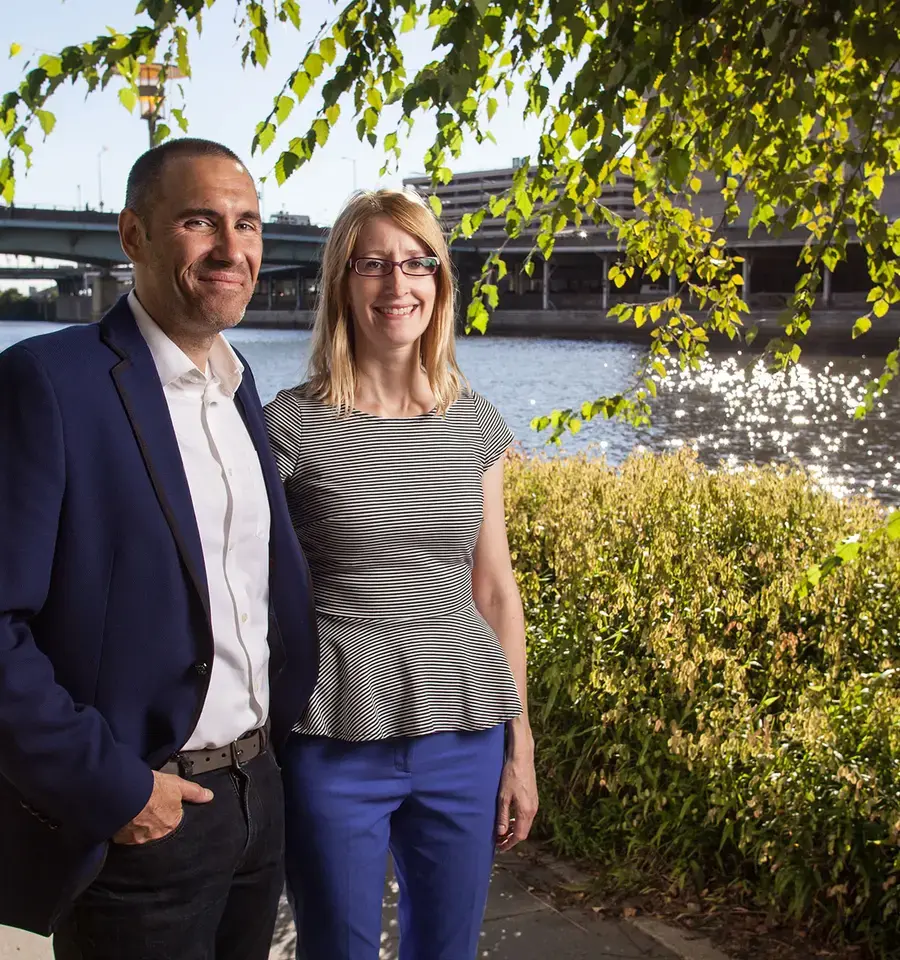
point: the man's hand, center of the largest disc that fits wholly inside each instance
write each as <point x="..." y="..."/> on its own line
<point x="163" y="811"/>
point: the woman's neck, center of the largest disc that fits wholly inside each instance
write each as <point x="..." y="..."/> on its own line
<point x="392" y="386"/>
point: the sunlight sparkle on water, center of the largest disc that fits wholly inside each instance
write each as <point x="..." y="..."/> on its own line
<point x="753" y="406"/>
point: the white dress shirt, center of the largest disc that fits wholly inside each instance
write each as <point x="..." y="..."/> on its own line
<point x="232" y="510"/>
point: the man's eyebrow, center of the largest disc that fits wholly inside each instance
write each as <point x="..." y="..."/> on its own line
<point x="211" y="214"/>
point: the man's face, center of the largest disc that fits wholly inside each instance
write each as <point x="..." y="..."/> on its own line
<point x="198" y="247"/>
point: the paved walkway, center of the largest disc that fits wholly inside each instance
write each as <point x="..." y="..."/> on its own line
<point x="518" y="926"/>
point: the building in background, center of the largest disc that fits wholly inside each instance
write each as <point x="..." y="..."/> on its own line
<point x="469" y="192"/>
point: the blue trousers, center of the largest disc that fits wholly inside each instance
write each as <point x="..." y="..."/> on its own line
<point x="431" y="801"/>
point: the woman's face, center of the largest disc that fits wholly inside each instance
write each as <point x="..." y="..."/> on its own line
<point x="390" y="312"/>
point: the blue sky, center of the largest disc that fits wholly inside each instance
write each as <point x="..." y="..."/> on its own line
<point x="224" y="103"/>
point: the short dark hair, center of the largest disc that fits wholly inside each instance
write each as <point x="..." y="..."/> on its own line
<point x="145" y="175"/>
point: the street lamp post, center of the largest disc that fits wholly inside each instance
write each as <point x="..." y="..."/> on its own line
<point x="353" y="161"/>
<point x="152" y="94"/>
<point x="100" y="153"/>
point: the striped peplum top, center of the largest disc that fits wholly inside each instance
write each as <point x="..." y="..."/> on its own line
<point x="388" y="512"/>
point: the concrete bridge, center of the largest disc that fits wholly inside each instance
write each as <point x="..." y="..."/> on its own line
<point x="575" y="279"/>
<point x="90" y="239"/>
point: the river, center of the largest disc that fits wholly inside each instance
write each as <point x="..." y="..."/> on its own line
<point x="732" y="411"/>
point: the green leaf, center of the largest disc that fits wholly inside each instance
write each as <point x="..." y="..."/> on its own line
<point x="14" y="50"/>
<point x="579" y="138"/>
<point x="862" y="325"/>
<point x="893" y="525"/>
<point x="51" y="65"/>
<point x="321" y="130"/>
<point x="283" y="109"/>
<point x="161" y="132"/>
<point x="434" y="202"/>
<point x="477" y="316"/>
<point x="679" y="165"/>
<point x="561" y="124"/>
<point x="301" y="85"/>
<point x="880" y="308"/>
<point x="47" y="121"/>
<point x="524" y="203"/>
<point x="182" y="58"/>
<point x="128" y="98"/>
<point x="314" y="65"/>
<point x="287" y="163"/>
<point x="328" y="50"/>
<point x="265" y="135"/>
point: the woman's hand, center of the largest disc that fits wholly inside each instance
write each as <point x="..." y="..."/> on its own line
<point x="517" y="803"/>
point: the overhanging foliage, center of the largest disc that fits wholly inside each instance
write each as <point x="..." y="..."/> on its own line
<point x="792" y="106"/>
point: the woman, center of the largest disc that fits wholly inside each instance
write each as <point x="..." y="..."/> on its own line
<point x="417" y="737"/>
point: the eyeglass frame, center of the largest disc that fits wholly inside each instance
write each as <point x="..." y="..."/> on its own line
<point x="353" y="261"/>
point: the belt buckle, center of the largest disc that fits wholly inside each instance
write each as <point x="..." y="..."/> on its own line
<point x="237" y="751"/>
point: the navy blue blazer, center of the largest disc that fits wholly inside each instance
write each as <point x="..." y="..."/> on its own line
<point x="105" y="637"/>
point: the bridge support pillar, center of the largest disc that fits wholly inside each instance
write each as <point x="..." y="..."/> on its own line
<point x="673" y="284"/>
<point x="826" y="288"/>
<point x="604" y="283"/>
<point x="104" y="292"/>
<point x="745" y="273"/>
<point x="545" y="286"/>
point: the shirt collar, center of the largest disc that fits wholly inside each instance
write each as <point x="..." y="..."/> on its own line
<point x="173" y="364"/>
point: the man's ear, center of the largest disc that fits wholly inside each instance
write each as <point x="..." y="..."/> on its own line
<point x="133" y="235"/>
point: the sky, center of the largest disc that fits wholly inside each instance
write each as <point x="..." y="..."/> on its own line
<point x="89" y="153"/>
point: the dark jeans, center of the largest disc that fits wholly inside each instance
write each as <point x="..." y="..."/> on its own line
<point x="207" y="891"/>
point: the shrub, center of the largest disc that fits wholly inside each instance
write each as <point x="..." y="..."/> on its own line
<point x="689" y="706"/>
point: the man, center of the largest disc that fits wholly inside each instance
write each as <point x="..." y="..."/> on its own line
<point x="157" y="635"/>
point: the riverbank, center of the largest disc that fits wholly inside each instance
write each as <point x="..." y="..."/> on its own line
<point x="830" y="331"/>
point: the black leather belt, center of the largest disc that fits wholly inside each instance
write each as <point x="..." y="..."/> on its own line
<point x="189" y="763"/>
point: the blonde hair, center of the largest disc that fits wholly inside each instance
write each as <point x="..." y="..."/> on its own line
<point x="332" y="365"/>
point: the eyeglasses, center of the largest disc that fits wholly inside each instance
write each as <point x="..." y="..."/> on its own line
<point x="414" y="267"/>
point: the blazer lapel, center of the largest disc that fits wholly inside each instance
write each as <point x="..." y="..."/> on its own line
<point x="137" y="381"/>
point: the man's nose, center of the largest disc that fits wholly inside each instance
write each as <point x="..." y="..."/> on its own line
<point x="228" y="247"/>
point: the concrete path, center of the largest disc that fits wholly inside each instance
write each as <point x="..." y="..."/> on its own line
<point x="518" y="926"/>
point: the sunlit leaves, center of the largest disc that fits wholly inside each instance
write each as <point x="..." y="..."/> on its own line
<point x="301" y="85"/>
<point x="47" y="121"/>
<point x="129" y="98"/>
<point x="265" y="136"/>
<point x="283" y="109"/>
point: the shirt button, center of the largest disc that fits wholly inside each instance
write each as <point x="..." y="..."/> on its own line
<point x="201" y="668"/>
